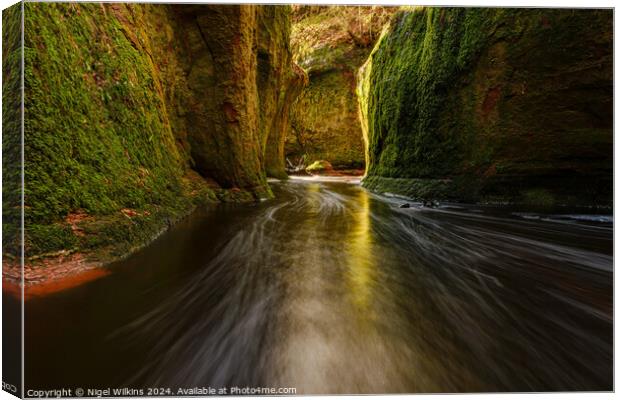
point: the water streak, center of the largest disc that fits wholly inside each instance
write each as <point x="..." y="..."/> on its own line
<point x="331" y="289"/>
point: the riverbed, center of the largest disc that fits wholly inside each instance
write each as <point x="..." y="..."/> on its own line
<point x="329" y="288"/>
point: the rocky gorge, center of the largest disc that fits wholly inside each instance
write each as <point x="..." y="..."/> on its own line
<point x="307" y="199"/>
<point x="136" y="114"/>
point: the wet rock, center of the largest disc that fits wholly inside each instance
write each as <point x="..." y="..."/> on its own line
<point x="174" y="103"/>
<point x="430" y="203"/>
<point x="220" y="58"/>
<point x="331" y="43"/>
<point x="319" y="167"/>
<point x="404" y="205"/>
<point x="279" y="81"/>
<point x="521" y="112"/>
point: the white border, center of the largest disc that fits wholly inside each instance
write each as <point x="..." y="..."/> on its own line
<point x="480" y="3"/>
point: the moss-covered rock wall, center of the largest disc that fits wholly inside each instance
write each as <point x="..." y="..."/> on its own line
<point x="97" y="136"/>
<point x="279" y="83"/>
<point x="330" y="44"/>
<point x="136" y="113"/>
<point x="11" y="140"/>
<point x="492" y="104"/>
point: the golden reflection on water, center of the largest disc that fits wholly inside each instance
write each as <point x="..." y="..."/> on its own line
<point x="330" y="290"/>
<point x="362" y="266"/>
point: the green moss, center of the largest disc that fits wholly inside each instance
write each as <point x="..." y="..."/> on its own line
<point x="100" y="136"/>
<point x="118" y="129"/>
<point x="331" y="43"/>
<point x="405" y="135"/>
<point x="96" y="138"/>
<point x="42" y="239"/>
<point x="325" y="122"/>
<point x="11" y="129"/>
<point x="319" y="166"/>
<point x="493" y="96"/>
<point x="417" y="189"/>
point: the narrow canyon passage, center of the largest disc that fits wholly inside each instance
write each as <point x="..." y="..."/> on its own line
<point x="331" y="289"/>
<point x="331" y="199"/>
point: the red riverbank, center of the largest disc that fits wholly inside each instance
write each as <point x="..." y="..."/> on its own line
<point x="49" y="275"/>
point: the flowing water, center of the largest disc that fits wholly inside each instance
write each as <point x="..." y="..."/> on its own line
<point x="331" y="289"/>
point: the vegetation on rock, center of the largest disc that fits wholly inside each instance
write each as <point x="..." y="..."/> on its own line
<point x="331" y="43"/>
<point x="492" y="104"/>
<point x="319" y="166"/>
<point x="137" y="113"/>
<point x="11" y="130"/>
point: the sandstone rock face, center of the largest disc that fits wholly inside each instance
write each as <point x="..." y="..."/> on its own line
<point x="281" y="125"/>
<point x="331" y="43"/>
<point x="491" y="104"/>
<point x="221" y="67"/>
<point x="279" y="83"/>
<point x="148" y="108"/>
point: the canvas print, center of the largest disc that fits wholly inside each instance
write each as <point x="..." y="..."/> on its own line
<point x="251" y="199"/>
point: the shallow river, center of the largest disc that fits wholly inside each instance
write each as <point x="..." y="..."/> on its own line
<point x="331" y="289"/>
